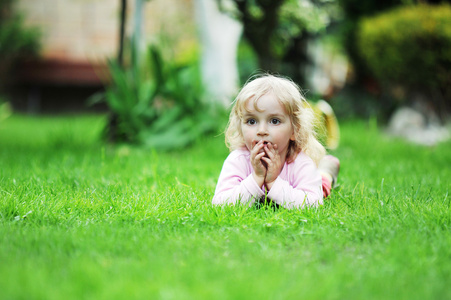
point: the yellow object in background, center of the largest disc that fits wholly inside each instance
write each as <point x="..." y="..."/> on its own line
<point x="329" y="130"/>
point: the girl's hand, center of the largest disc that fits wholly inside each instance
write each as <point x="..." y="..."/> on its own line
<point x="274" y="163"/>
<point x="257" y="153"/>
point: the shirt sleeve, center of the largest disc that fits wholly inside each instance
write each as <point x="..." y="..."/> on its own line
<point x="236" y="184"/>
<point x="302" y="189"/>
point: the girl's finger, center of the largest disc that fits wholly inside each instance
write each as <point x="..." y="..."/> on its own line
<point x="270" y="151"/>
<point x="266" y="160"/>
<point x="256" y="151"/>
<point x="259" y="156"/>
<point x="258" y="146"/>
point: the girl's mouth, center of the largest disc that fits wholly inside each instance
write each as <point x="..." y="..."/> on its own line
<point x="262" y="150"/>
<point x="265" y="143"/>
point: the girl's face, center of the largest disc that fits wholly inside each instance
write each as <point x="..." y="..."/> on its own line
<point x="269" y="123"/>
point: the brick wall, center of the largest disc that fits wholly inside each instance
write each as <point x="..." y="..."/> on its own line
<point x="87" y="30"/>
<point x="78" y="36"/>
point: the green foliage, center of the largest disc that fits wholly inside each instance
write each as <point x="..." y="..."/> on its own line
<point x="247" y="61"/>
<point x="299" y="18"/>
<point x="410" y="46"/>
<point x="15" y="38"/>
<point x="17" y="41"/>
<point x="354" y="11"/>
<point x="311" y="16"/>
<point x="278" y="30"/>
<point x="83" y="220"/>
<point x="159" y="104"/>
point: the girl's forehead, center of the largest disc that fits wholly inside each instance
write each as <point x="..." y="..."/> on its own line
<point x="251" y="103"/>
<point x="267" y="101"/>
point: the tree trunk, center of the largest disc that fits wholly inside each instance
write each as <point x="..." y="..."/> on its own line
<point x="111" y="131"/>
<point x="296" y="58"/>
<point x="120" y="56"/>
<point x="259" y="31"/>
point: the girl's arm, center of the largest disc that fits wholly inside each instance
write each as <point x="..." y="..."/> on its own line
<point x="236" y="183"/>
<point x="302" y="189"/>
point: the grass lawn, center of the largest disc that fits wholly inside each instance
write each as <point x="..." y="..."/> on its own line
<point x="82" y="220"/>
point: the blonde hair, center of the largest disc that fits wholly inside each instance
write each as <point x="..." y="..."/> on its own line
<point x="290" y="96"/>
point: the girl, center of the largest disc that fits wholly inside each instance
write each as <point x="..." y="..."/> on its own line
<point x="274" y="152"/>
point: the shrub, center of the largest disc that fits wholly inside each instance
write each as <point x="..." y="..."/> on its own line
<point x="16" y="40"/>
<point x="354" y="11"/>
<point x="159" y="104"/>
<point x="409" y="46"/>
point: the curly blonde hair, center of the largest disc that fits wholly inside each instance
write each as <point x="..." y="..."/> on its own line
<point x="290" y="96"/>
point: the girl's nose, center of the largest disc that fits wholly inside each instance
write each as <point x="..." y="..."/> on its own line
<point x="262" y="130"/>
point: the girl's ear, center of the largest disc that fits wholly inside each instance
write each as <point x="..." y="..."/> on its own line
<point x="292" y="138"/>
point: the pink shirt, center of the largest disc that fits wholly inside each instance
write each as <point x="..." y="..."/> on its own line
<point x="298" y="185"/>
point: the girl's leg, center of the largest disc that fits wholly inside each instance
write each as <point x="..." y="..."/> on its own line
<point x="327" y="186"/>
<point x="329" y="166"/>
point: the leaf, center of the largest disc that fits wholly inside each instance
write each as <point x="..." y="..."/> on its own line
<point x="158" y="72"/>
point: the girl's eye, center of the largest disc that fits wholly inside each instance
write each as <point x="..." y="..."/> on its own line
<point x="251" y="122"/>
<point x="275" y="121"/>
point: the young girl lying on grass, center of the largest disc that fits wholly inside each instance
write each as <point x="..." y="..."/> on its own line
<point x="275" y="155"/>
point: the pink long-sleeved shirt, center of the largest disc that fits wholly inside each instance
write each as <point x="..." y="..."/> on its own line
<point x="298" y="185"/>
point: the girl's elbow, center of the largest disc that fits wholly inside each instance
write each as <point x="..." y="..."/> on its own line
<point x="216" y="201"/>
<point x="220" y="200"/>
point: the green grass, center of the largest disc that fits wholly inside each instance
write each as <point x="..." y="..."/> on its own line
<point x="84" y="220"/>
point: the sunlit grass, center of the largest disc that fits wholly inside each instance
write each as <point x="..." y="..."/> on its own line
<point x="83" y="220"/>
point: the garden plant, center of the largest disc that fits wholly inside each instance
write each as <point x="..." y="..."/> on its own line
<point x="409" y="48"/>
<point x="157" y="102"/>
<point x="17" y="42"/>
<point x="80" y="219"/>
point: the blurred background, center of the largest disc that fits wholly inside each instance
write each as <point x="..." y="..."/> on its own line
<point x="167" y="68"/>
